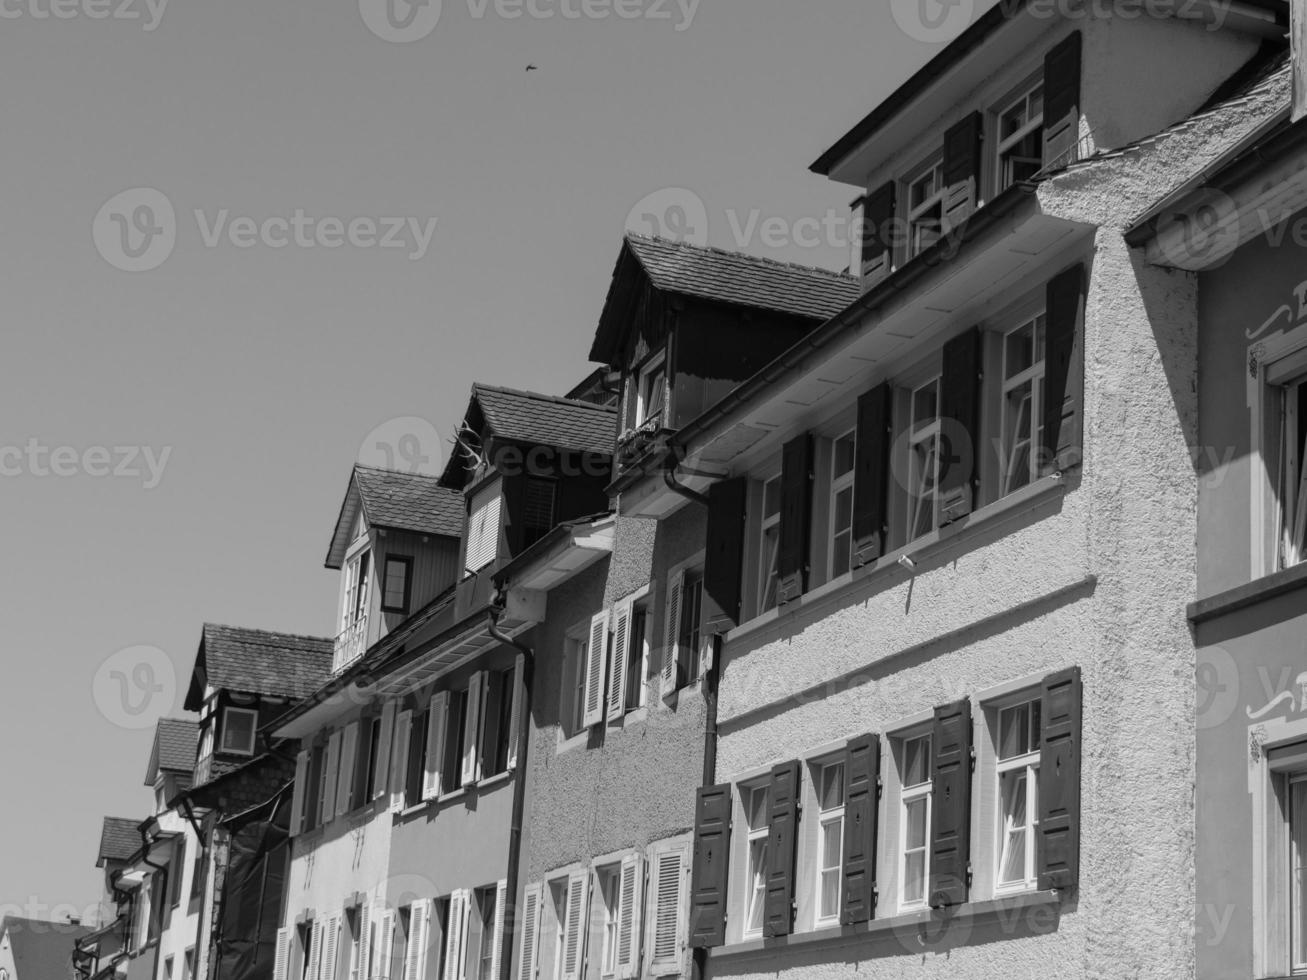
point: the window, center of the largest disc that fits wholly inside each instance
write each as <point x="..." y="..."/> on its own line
<point x="1297" y="821"/>
<point x="356" y="590"/>
<point x="829" y="783"/>
<point x="395" y="590"/>
<point x="306" y="951"/>
<point x="485" y="934"/>
<point x="637" y="658"/>
<point x="914" y="865"/>
<point x="204" y="761"/>
<point x="610" y="883"/>
<point x="1018" y="793"/>
<point x="1290" y="473"/>
<point x="197" y="872"/>
<point x="1023" y="403"/>
<point x="313" y="796"/>
<point x="755" y="871"/>
<point x="652" y="391"/>
<point x="416" y="763"/>
<point x="1021" y="137"/>
<point x="690" y="634"/>
<point x="188" y="965"/>
<point x="843" y="453"/>
<point x="168" y="968"/>
<point x="925" y="194"/>
<point x="924" y="430"/>
<point x="352" y="944"/>
<point x="573" y="706"/>
<point x="770" y="544"/>
<point x="371" y="759"/>
<point x="538" y="497"/>
<point x="497" y="722"/>
<point x="455" y="741"/>
<point x="238" y="731"/>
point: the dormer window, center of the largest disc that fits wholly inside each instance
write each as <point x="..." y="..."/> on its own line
<point x="1021" y="136"/>
<point x="356" y="590"/>
<point x="397" y="586"/>
<point x="652" y="390"/>
<point x="483" y="527"/>
<point x="925" y="206"/>
<point x="239" y="726"/>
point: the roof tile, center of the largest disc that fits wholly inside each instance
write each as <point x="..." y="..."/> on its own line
<point x="119" y="840"/>
<point x="548" y="419"/>
<point x="261" y="662"/>
<point x="409" y="502"/>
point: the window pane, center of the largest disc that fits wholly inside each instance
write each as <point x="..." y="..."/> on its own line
<point x="844" y="509"/>
<point x="758" y="874"/>
<point x="914" y="877"/>
<point x="1014" y="731"/>
<point x="771" y="498"/>
<point x="1013" y="862"/>
<point x="832" y="786"/>
<point x="916" y="761"/>
<point x="756" y="808"/>
<point x="844" y="455"/>
<point x="1297" y="857"/>
<point x="925" y="401"/>
<point x="915" y="815"/>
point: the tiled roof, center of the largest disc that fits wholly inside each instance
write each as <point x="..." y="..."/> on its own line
<point x="548" y="420"/>
<point x="409" y="502"/>
<point x="260" y="662"/>
<point x="41" y="950"/>
<point x="174" y="742"/>
<point x="730" y="277"/>
<point x="119" y="840"/>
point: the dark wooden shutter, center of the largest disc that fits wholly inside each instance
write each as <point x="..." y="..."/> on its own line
<point x="1062" y="102"/>
<point x="796" y="518"/>
<point x="871" y="475"/>
<point x="950" y="823"/>
<point x="961" y="171"/>
<point x="712" y="845"/>
<point x="723" y="569"/>
<point x="1064" y="371"/>
<point x="861" y="792"/>
<point x="959" y="409"/>
<point x="1059" y="780"/>
<point x="783" y="822"/>
<point x="878" y="212"/>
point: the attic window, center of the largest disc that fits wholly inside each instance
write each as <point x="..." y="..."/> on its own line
<point x="652" y="394"/>
<point x="238" y="730"/>
<point x="1021" y="137"/>
<point x="537" y="509"/>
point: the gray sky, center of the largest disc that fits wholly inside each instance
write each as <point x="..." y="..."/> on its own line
<point x="260" y="369"/>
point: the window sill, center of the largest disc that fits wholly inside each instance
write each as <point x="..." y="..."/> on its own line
<point x="1264" y="589"/>
<point x="906" y="925"/>
<point x="490" y="782"/>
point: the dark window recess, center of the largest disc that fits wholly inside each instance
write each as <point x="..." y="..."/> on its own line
<point x="960" y="426"/>
<point x="872" y="474"/>
<point x="313" y="797"/>
<point x="396" y="589"/>
<point x="635" y="658"/>
<point x="878" y="213"/>
<point x="1061" y="134"/>
<point x="783" y="819"/>
<point x="962" y="156"/>
<point x="1064" y="371"/>
<point x="950" y="820"/>
<point x="796" y="518"/>
<point x="710" y="867"/>
<point x="861" y="791"/>
<point x="691" y="632"/>
<point x="370" y="756"/>
<point x="452" y="769"/>
<point x="415" y="765"/>
<point x="538" y="504"/>
<point x="1059" y="780"/>
<point x="498" y="718"/>
<point x="723" y="572"/>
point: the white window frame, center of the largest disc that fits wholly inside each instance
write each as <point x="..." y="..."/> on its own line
<point x="755" y="879"/>
<point x="826" y="818"/>
<point x="1279" y="753"/>
<point x="354" y="604"/>
<point x="919" y="434"/>
<point x="644" y="395"/>
<point x="225" y="748"/>
<point x="841" y="483"/>
<point x="1280" y="356"/>
<point x="1020" y="98"/>
<point x="769" y="571"/>
<point x="1027" y="765"/>
<point x="1284" y="378"/>
<point x="930" y="168"/>
<point x="1034" y="376"/>
<point x="609" y="876"/>
<point x="907" y="796"/>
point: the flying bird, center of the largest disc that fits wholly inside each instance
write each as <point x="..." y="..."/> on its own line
<point x="532" y="68"/>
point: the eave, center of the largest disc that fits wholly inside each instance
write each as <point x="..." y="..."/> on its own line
<point x="561" y="555"/>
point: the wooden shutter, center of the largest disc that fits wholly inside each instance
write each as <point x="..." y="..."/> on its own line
<point x="281" y="956"/>
<point x="497" y="940"/>
<point x="472" y="730"/>
<point x="364" y="949"/>
<point x="1062" y="103"/>
<point x="399" y="759"/>
<point x="878" y="213"/>
<point x="871" y="474"/>
<point x="315" y="952"/>
<point x="711" y="867"/>
<point x="382" y="776"/>
<point x="530" y="948"/>
<point x="349" y="745"/>
<point x="386" y="944"/>
<point x="959" y="404"/>
<point x="666" y="913"/>
<point x="630" y="915"/>
<point x="950" y="823"/>
<point x="1064" y="369"/>
<point x="1059" y="780"/>
<point x="419" y="917"/>
<point x="596" y="659"/>
<point x="574" y="928"/>
<point x="454" y="936"/>
<point x="298" y="792"/>
<point x="783" y="820"/>
<point x="515" y="721"/>
<point x="330" y="948"/>
<point x="961" y="170"/>
<point x="861" y="796"/>
<point x="672" y="633"/>
<point x="437" y="722"/>
<point x="796" y="518"/>
<point x="617" y="670"/>
<point x="327" y="805"/>
<point x="723" y="570"/>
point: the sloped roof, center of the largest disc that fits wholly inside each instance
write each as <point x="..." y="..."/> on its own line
<point x="175" y="740"/>
<point x="548" y="419"/>
<point x="259" y="662"/>
<point x="119" y="840"/>
<point x="42" y="950"/>
<point x="397" y="501"/>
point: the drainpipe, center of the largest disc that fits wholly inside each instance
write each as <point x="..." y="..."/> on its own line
<point x="146" y="843"/>
<point x="699" y="966"/>
<point x="669" y="477"/>
<point x="519" y="784"/>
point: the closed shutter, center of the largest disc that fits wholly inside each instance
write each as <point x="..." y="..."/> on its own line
<point x="796" y="518"/>
<point x="872" y="474"/>
<point x="950" y="823"/>
<point x="386" y="945"/>
<point x="364" y="950"/>
<point x="399" y="759"/>
<point x="298" y="793"/>
<point x="381" y="779"/>
<point x="667" y="910"/>
<point x="497" y="940"/>
<point x="472" y="730"/>
<point x="723" y="569"/>
<point x="331" y="948"/>
<point x="711" y="867"/>
<point x="437" y="722"/>
<point x="515" y="721"/>
<point x="574" y="927"/>
<point x="959" y="404"/>
<point x="1064" y="370"/>
<point x="483" y="527"/>
<point x="783" y="820"/>
<point x="596" y="659"/>
<point x="630" y="915"/>
<point x="861" y="795"/>
<point x="878" y="212"/>
<point x="530" y="948"/>
<point x="1059" y="780"/>
<point x="1062" y="103"/>
<point x="617" y="667"/>
<point x="327" y="805"/>
<point x="281" y="956"/>
<point x="672" y="634"/>
<point x="349" y="746"/>
<point x="961" y="170"/>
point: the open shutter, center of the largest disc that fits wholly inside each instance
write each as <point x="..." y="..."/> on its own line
<point x="878" y="231"/>
<point x="454" y="937"/>
<point x="596" y="658"/>
<point x="364" y="949"/>
<point x="436" y="724"/>
<point x="667" y="902"/>
<point x="574" y="928"/>
<point x="1059" y="780"/>
<point x="796" y="518"/>
<point x="399" y="759"/>
<point x="349" y="747"/>
<point x="960" y="418"/>
<point x="386" y="945"/>
<point x="630" y="915"/>
<point x="1064" y="369"/>
<point x="871" y="475"/>
<point x="950" y="823"/>
<point x="327" y="805"/>
<point x="712" y="852"/>
<point x="472" y="730"/>
<point x="298" y="792"/>
<point x="382" y="777"/>
<point x="530" y="948"/>
<point x="861" y="793"/>
<point x="672" y="633"/>
<point x="723" y="569"/>
<point x="420" y="933"/>
<point x="281" y="956"/>
<point x="961" y="169"/>
<point x="501" y="898"/>
<point x="515" y="721"/>
<point x="331" y="948"/>
<point x="778" y="910"/>
<point x="617" y="670"/>
<point x="315" y="952"/>
<point x="1062" y="103"/>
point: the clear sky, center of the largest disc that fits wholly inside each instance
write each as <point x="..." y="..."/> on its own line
<point x="260" y="370"/>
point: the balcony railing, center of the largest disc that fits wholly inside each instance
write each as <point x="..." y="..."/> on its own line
<point x="635" y="443"/>
<point x="351" y="644"/>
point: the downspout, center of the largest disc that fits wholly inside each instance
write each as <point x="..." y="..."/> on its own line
<point x="512" y="875"/>
<point x="157" y="914"/>
<point x="669" y="477"/>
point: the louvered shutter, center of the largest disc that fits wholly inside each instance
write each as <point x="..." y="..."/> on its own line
<point x="364" y="949"/>
<point x="298" y="792"/>
<point x="961" y="169"/>
<point x="1062" y="103"/>
<point x="518" y="680"/>
<point x="871" y="475"/>
<point x="950" y="823"/>
<point x="723" y="569"/>
<point x="959" y="403"/>
<point x="419" y="928"/>
<point x="878" y="213"/>
<point x="711" y="867"/>
<point x="574" y="930"/>
<point x="437" y="721"/>
<point x="1059" y="780"/>
<point x="596" y="656"/>
<point x="1064" y="369"/>
<point x="382" y="776"/>
<point x="327" y="805"/>
<point x="530" y="948"/>
<point x="861" y="793"/>
<point x="472" y="730"/>
<point x="783" y="820"/>
<point x="349" y="746"/>
<point x="454" y="937"/>
<point x="281" y="956"/>
<point x="315" y="952"/>
<point x="796" y="518"/>
<point x="483" y="527"/>
<point x="399" y="760"/>
<point x="667" y="912"/>
<point x="386" y="945"/>
<point x="617" y="670"/>
<point x="331" y="948"/>
<point x="501" y="899"/>
<point x="672" y="634"/>
<point x="630" y="916"/>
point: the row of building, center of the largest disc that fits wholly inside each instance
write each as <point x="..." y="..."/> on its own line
<point x="836" y="624"/>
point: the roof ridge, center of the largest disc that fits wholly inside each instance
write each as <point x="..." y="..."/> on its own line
<point x="540" y="396"/>
<point x="268" y="632"/>
<point x="746" y="256"/>
<point x="403" y="473"/>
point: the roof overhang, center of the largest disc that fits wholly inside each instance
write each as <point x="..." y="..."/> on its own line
<point x="563" y="553"/>
<point x="350" y="508"/>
